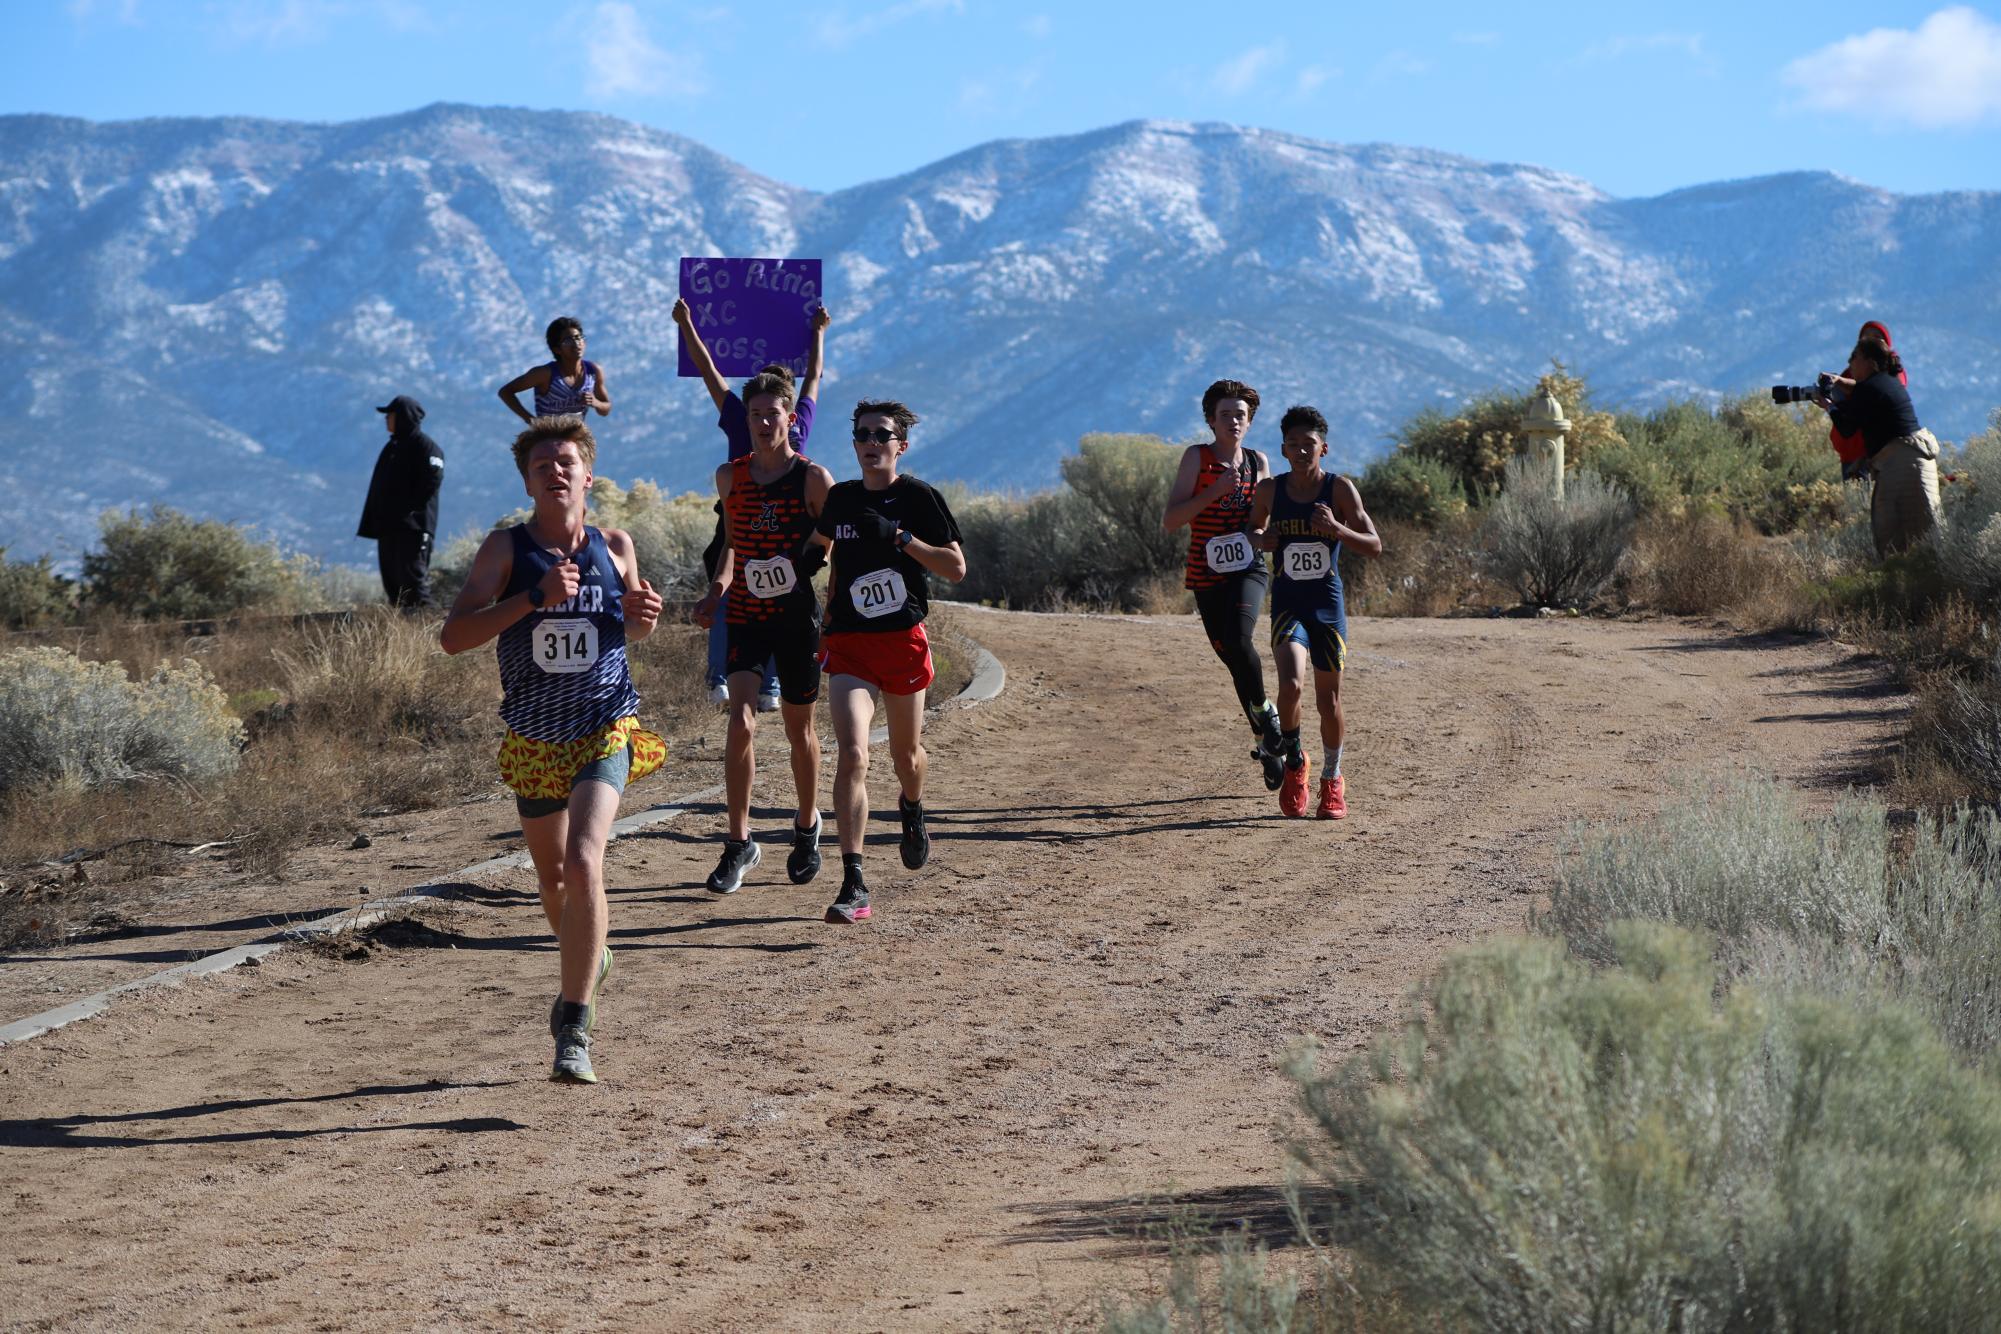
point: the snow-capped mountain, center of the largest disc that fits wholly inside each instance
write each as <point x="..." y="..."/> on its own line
<point x="206" y="312"/>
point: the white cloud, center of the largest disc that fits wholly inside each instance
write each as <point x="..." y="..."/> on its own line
<point x="1945" y="73"/>
<point x="625" y="61"/>
<point x="839" y="29"/>
<point x="1309" y="80"/>
<point x="1239" y="74"/>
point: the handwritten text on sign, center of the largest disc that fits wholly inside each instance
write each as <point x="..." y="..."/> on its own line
<point x="751" y="312"/>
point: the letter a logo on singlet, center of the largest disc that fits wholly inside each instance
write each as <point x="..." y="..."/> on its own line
<point x="766" y="520"/>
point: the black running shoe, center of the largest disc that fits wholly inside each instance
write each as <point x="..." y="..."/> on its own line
<point x="851" y="905"/>
<point x="916" y="846"/>
<point x="804" y="862"/>
<point x="1270" y="753"/>
<point x="737" y="858"/>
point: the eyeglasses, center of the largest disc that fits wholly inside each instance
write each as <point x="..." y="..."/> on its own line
<point x="881" y="435"/>
<point x="574" y="338"/>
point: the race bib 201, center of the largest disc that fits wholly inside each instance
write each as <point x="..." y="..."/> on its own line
<point x="878" y="594"/>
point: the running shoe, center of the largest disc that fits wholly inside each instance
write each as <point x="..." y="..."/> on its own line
<point x="1333" y="798"/>
<point x="767" y="701"/>
<point x="916" y="846"/>
<point x="573" y="1057"/>
<point x="719" y="692"/>
<point x="737" y="858"/>
<point x="1292" y="796"/>
<point x="590" y="1010"/>
<point x="851" y="904"/>
<point x="804" y="862"/>
<point x="1270" y="755"/>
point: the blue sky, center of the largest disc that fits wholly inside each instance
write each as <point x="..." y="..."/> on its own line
<point x="1636" y="99"/>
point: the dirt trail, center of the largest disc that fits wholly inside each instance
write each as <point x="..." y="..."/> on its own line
<point x="940" y="1120"/>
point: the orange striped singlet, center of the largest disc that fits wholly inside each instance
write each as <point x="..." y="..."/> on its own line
<point x="768" y="524"/>
<point x="1212" y="557"/>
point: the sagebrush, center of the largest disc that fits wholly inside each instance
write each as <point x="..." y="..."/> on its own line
<point x="70" y="724"/>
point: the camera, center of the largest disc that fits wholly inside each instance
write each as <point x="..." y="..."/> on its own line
<point x="1795" y="393"/>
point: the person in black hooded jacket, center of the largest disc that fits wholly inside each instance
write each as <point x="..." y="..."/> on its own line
<point x="401" y="512"/>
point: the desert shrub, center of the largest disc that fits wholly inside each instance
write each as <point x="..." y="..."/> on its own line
<point x="1421" y="572"/>
<point x="1734" y="857"/>
<point x="32" y="594"/>
<point x="1829" y="904"/>
<point x="1412" y="488"/>
<point x="1096" y="541"/>
<point x="66" y="723"/>
<point x="166" y="564"/>
<point x="1756" y="461"/>
<point x="1702" y="563"/>
<point x="1969" y="547"/>
<point x="378" y="674"/>
<point x="1552" y="1146"/>
<point x="1955" y="735"/>
<point x="1476" y="442"/>
<point x="1555" y="552"/>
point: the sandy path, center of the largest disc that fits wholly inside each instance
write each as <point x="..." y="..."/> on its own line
<point x="935" y="1121"/>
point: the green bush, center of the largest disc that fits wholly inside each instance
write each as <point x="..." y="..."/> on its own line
<point x="668" y="532"/>
<point x="1552" y="1147"/>
<point x="33" y="595"/>
<point x="74" y="724"/>
<point x="1969" y="548"/>
<point x="1413" y="488"/>
<point x="1476" y="442"/>
<point x="166" y="565"/>
<point x="1756" y="461"/>
<point x="1555" y="553"/>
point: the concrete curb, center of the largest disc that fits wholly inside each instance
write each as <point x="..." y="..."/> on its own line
<point x="989" y="679"/>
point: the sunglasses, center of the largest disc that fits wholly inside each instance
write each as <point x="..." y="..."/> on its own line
<point x="881" y="435"/>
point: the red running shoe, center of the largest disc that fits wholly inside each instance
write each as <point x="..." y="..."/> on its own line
<point x="1292" y="791"/>
<point x="1333" y="798"/>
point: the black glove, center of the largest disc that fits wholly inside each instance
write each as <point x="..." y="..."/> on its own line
<point x="809" y="560"/>
<point x="874" y="526"/>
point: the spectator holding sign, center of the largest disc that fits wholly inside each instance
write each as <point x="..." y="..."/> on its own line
<point x="569" y="386"/>
<point x="886" y="533"/>
<point x="771" y="498"/>
<point x="1306" y="517"/>
<point x="1212" y="498"/>
<point x="734" y="421"/>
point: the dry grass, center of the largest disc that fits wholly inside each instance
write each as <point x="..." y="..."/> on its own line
<point x="1705" y="564"/>
<point x="1422" y="572"/>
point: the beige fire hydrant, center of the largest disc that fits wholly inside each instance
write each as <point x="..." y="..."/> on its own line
<point x="1545" y="426"/>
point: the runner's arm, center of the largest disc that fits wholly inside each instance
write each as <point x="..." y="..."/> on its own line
<point x="1261" y="500"/>
<point x="535" y="379"/>
<point x="816" y="354"/>
<point x="698" y="352"/>
<point x="947" y="562"/>
<point x="1352" y="524"/>
<point x="642" y="604"/>
<point x="704" y="613"/>
<point x="1184" y="502"/>
<point x="475" y="618"/>
<point x="603" y="400"/>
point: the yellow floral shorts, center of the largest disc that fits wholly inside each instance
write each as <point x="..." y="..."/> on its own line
<point x="544" y="770"/>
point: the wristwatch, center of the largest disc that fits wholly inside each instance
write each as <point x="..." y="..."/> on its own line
<point x="535" y="595"/>
<point x="903" y="536"/>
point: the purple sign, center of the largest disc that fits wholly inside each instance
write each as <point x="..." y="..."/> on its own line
<point x="751" y="312"/>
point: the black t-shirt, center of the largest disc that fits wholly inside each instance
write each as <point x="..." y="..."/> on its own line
<point x="1880" y="408"/>
<point x="887" y="583"/>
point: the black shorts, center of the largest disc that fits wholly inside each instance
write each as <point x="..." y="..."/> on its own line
<point x="791" y="642"/>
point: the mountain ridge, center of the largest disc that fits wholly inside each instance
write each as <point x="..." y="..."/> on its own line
<point x="273" y="280"/>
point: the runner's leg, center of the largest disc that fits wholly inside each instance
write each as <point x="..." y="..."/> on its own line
<point x="546" y="838"/>
<point x="805" y="742"/>
<point x="906" y="741"/>
<point x="739" y="756"/>
<point x="593" y="807"/>
<point x="852" y="704"/>
<point x="1289" y="658"/>
<point x="1333" y="724"/>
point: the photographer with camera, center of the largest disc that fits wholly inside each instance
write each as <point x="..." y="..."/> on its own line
<point x="1869" y="399"/>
